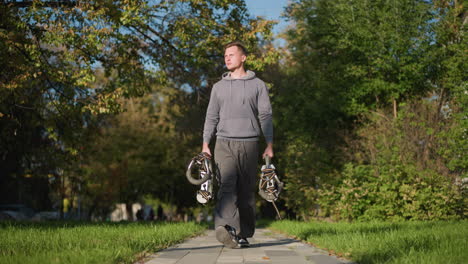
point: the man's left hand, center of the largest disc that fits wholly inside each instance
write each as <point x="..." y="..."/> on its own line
<point x="268" y="151"/>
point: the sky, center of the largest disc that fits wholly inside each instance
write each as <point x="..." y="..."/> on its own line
<point x="270" y="9"/>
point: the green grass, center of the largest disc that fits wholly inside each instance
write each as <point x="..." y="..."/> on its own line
<point x="383" y="242"/>
<point x="80" y="242"/>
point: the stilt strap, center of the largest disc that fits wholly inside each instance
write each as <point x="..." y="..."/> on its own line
<point x="270" y="186"/>
<point x="200" y="169"/>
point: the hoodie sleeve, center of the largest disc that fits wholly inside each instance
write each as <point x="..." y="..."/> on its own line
<point x="212" y="117"/>
<point x="265" y="113"/>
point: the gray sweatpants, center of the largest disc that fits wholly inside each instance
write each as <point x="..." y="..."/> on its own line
<point x="237" y="163"/>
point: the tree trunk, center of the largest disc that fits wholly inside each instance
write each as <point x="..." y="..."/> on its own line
<point x="93" y="207"/>
<point x="128" y="207"/>
<point x="62" y="195"/>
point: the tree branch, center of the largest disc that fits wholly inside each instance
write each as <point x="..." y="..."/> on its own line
<point x="20" y="4"/>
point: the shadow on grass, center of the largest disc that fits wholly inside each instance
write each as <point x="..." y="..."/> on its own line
<point x="264" y="223"/>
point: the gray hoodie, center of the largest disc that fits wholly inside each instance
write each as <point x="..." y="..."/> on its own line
<point x="236" y="106"/>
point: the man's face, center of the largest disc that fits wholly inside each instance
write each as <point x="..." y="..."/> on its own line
<point x="234" y="58"/>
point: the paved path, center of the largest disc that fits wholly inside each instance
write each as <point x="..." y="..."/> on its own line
<point x="266" y="248"/>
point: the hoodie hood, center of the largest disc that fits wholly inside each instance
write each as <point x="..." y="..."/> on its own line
<point x="250" y="75"/>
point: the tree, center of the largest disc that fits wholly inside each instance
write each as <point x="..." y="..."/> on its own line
<point x="138" y="152"/>
<point x="351" y="66"/>
<point x="50" y="53"/>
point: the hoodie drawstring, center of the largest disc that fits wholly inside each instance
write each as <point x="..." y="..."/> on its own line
<point x="243" y="93"/>
<point x="230" y="95"/>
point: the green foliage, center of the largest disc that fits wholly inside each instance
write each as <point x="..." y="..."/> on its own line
<point x="67" y="68"/>
<point x="393" y="192"/>
<point x="302" y="177"/>
<point x="400" y="174"/>
<point x="138" y="152"/>
<point x="370" y="50"/>
<point x="372" y="100"/>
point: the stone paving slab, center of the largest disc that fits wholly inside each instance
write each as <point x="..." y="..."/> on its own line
<point x="266" y="248"/>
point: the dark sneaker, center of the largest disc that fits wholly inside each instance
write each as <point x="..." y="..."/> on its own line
<point x="243" y="242"/>
<point x="227" y="236"/>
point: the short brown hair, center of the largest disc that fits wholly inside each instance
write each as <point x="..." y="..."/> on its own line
<point x="238" y="44"/>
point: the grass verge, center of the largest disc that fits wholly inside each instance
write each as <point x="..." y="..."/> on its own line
<point x="384" y="242"/>
<point x="84" y="242"/>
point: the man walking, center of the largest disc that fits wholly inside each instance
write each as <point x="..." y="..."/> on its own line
<point x="239" y="110"/>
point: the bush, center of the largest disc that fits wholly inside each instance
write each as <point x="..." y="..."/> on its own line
<point x="368" y="192"/>
<point x="397" y="171"/>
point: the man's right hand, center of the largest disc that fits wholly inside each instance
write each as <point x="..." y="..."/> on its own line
<point x="206" y="148"/>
